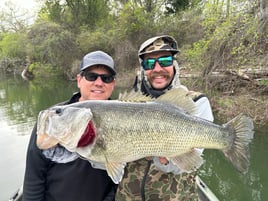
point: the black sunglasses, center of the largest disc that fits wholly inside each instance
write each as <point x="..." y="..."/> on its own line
<point x="149" y="64"/>
<point x="107" y="78"/>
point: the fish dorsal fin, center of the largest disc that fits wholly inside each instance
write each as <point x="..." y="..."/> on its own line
<point x="133" y="96"/>
<point x="180" y="98"/>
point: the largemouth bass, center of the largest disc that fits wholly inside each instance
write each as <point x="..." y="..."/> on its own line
<point x="114" y="132"/>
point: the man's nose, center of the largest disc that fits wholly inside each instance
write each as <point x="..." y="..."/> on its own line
<point x="98" y="81"/>
<point x="157" y="66"/>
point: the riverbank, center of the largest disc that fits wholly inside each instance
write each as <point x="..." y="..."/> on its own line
<point x="226" y="104"/>
<point x="227" y="107"/>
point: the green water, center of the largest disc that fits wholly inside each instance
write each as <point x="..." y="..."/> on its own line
<point x="20" y="102"/>
<point x="228" y="184"/>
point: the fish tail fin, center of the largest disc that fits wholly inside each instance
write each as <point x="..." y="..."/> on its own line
<point x="238" y="153"/>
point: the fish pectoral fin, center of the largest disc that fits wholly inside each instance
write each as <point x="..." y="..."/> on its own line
<point x="115" y="171"/>
<point x="45" y="141"/>
<point x="189" y="161"/>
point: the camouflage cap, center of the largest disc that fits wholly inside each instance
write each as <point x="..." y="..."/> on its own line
<point x="157" y="44"/>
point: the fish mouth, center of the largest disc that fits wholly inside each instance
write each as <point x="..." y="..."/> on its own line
<point x="88" y="136"/>
<point x="45" y="141"/>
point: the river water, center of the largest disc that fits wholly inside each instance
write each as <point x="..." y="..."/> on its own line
<point x="20" y="102"/>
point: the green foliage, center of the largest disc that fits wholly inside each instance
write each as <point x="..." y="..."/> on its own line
<point x="230" y="40"/>
<point x="214" y="35"/>
<point x="12" y="45"/>
<point x="176" y="6"/>
<point x="32" y="66"/>
<point x="196" y="54"/>
<point x="53" y="10"/>
<point x="74" y="14"/>
<point x="214" y="16"/>
<point x="263" y="82"/>
<point x="134" y="22"/>
<point x="249" y="39"/>
<point x="94" y="40"/>
<point x="43" y="70"/>
<point x="184" y="26"/>
<point x="50" y="44"/>
<point x="88" y="12"/>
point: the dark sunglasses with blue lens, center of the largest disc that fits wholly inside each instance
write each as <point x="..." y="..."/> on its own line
<point x="106" y="78"/>
<point x="164" y="61"/>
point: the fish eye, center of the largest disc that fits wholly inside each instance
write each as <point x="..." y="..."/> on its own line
<point x="58" y="111"/>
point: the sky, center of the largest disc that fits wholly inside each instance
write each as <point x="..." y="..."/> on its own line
<point x="30" y="5"/>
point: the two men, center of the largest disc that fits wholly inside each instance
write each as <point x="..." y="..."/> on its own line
<point x="145" y="179"/>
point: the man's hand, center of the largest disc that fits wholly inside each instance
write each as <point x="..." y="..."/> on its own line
<point x="163" y="160"/>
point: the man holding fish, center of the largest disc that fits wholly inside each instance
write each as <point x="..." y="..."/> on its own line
<point x="73" y="178"/>
<point x="157" y="178"/>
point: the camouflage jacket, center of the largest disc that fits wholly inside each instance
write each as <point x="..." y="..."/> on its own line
<point x="143" y="181"/>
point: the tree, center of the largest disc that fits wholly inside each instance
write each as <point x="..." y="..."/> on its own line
<point x="263" y="10"/>
<point x="14" y="19"/>
<point x="53" y="9"/>
<point x="13" y="45"/>
<point x="76" y="14"/>
<point x="175" y="6"/>
<point x="50" y="43"/>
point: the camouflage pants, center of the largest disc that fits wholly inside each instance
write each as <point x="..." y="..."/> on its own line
<point x="157" y="186"/>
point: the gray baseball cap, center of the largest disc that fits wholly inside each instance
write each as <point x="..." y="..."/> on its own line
<point x="98" y="58"/>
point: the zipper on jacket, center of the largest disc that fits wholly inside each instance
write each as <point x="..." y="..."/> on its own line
<point x="144" y="180"/>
